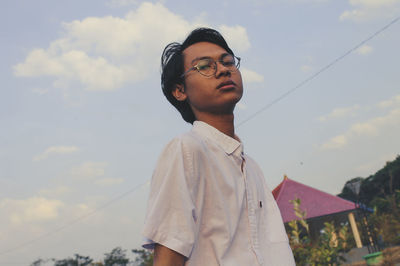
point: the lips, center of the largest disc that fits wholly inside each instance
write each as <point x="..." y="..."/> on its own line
<point x="226" y="85"/>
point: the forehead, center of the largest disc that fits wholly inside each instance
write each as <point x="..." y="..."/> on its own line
<point x="202" y="49"/>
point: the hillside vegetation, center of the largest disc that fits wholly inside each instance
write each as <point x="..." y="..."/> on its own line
<point x="377" y="189"/>
<point x="380" y="192"/>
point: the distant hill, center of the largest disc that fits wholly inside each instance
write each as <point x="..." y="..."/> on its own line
<point x="377" y="187"/>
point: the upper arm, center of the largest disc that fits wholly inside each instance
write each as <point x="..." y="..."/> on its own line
<point x="169" y="219"/>
<point x="164" y="256"/>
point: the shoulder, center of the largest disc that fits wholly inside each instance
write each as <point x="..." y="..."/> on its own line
<point x="188" y="143"/>
<point x="183" y="152"/>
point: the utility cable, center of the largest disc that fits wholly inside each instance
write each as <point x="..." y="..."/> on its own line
<point x="75" y="221"/>
<point x="284" y="95"/>
<point x="313" y="76"/>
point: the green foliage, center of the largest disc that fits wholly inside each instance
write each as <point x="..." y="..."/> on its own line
<point x="346" y="191"/>
<point x="117" y="257"/>
<point x="144" y="257"/>
<point x="387" y="223"/>
<point x="38" y="262"/>
<point x="327" y="250"/>
<point x="77" y="261"/>
<point x="381" y="191"/>
<point x="378" y="186"/>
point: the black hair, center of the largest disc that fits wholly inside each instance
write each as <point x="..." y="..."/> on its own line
<point x="172" y="66"/>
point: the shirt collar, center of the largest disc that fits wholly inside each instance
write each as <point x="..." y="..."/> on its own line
<point x="228" y="144"/>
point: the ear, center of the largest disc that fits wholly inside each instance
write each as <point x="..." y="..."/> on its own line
<point x="179" y="92"/>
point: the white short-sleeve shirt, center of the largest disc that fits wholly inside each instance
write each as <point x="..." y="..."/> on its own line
<point x="209" y="202"/>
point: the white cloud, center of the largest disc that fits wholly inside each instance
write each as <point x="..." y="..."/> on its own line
<point x="308" y="65"/>
<point x="74" y="65"/>
<point x="371" y="128"/>
<point x="340" y="113"/>
<point x="54" y="192"/>
<point x="394" y="101"/>
<point x="89" y="170"/>
<point x="121" y="3"/>
<point x="236" y="37"/>
<point x="373" y="165"/>
<point x="364" y="10"/>
<point x="94" y="172"/>
<point x="250" y="76"/>
<point x="33" y="209"/>
<point x="105" y="53"/>
<point x="385" y="104"/>
<point x="55" y="150"/>
<point x="109" y="181"/>
<point x="308" y="1"/>
<point x="373" y="3"/>
<point x="335" y="143"/>
<point x="292" y="1"/>
<point x="306" y="68"/>
<point x="40" y="91"/>
<point x="364" y="50"/>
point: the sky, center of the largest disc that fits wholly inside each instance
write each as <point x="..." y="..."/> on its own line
<point x="83" y="119"/>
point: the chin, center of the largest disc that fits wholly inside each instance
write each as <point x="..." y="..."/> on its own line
<point x="229" y="106"/>
<point x="238" y="98"/>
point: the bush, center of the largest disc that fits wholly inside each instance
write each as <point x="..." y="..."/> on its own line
<point x="327" y="250"/>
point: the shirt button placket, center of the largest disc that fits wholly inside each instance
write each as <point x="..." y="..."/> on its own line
<point x="251" y="215"/>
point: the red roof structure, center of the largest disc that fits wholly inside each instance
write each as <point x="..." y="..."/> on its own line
<point x="316" y="203"/>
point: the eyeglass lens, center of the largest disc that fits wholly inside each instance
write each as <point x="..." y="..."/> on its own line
<point x="208" y="66"/>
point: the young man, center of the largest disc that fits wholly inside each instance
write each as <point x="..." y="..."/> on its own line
<point x="209" y="204"/>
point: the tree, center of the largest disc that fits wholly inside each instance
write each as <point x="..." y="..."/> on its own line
<point x="38" y="262"/>
<point x="387" y="223"/>
<point x="117" y="257"/>
<point x="77" y="261"/>
<point x="143" y="257"/>
<point x="380" y="185"/>
<point x="381" y="191"/>
<point x="327" y="250"/>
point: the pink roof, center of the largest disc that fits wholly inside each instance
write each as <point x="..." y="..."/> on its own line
<point x="315" y="202"/>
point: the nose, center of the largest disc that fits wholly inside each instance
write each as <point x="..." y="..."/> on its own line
<point x="222" y="70"/>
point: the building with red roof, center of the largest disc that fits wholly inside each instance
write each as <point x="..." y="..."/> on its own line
<point x="319" y="206"/>
<point x="315" y="202"/>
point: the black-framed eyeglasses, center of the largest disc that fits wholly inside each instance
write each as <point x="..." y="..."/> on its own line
<point x="208" y="66"/>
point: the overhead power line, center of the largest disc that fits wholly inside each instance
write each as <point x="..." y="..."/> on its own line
<point x="75" y="221"/>
<point x="117" y="198"/>
<point x="313" y="76"/>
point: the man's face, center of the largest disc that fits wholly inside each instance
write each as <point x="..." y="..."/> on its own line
<point x="217" y="94"/>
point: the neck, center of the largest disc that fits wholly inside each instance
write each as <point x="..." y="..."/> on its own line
<point x="224" y="123"/>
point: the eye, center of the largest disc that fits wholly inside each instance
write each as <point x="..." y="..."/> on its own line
<point x="204" y="64"/>
<point x="228" y="61"/>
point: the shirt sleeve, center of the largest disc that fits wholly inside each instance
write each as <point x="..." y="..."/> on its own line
<point x="169" y="219"/>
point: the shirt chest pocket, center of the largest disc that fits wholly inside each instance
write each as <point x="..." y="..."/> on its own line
<point x="268" y="216"/>
<point x="256" y="198"/>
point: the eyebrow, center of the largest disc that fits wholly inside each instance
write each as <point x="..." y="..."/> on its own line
<point x="209" y="57"/>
